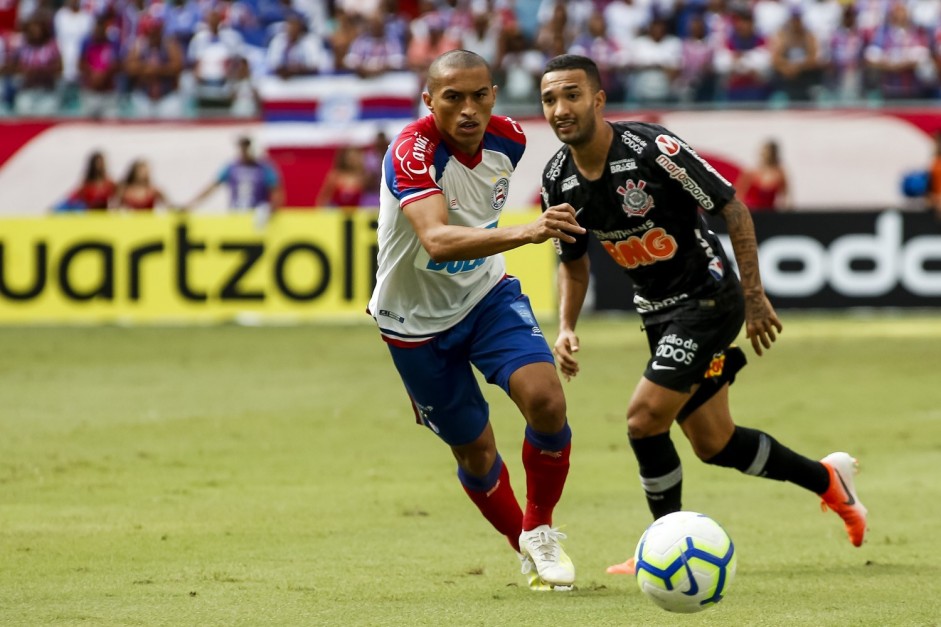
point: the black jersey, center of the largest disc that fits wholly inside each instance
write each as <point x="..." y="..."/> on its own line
<point x="644" y="210"/>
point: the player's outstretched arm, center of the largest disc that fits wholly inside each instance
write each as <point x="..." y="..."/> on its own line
<point x="573" y="286"/>
<point x="761" y="321"/>
<point x="448" y="242"/>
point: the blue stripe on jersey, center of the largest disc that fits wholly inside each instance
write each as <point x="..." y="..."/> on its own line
<point x="442" y="156"/>
<point x="513" y="150"/>
<point x="389" y="168"/>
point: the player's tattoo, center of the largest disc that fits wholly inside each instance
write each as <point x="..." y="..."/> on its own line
<point x="745" y="245"/>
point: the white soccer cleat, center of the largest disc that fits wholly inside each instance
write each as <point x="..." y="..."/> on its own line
<point x="541" y="546"/>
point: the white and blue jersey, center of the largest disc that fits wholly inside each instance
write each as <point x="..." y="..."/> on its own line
<point x="416" y="297"/>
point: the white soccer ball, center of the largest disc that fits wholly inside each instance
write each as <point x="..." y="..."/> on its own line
<point x="685" y="562"/>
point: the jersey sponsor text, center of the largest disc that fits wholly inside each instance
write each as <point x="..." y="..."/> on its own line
<point x="655" y="245"/>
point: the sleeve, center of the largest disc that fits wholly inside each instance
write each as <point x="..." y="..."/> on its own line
<point x="224" y="174"/>
<point x="413" y="171"/>
<point x="694" y="175"/>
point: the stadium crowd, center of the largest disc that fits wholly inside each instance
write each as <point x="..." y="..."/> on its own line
<point x="177" y="58"/>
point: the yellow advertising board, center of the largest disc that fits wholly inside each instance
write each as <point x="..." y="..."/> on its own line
<point x="145" y="268"/>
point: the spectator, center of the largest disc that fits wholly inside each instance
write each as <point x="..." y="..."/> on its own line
<point x="770" y="16"/>
<point x="346" y="181"/>
<point x="136" y="192"/>
<point x="98" y="65"/>
<point x="372" y="162"/>
<point x="96" y="189"/>
<point x="37" y="69"/>
<point x="181" y="18"/>
<point x="519" y="65"/>
<point x="254" y="184"/>
<point x="154" y="64"/>
<point x="374" y="52"/>
<point x="557" y="33"/>
<point x="295" y="52"/>
<point x="765" y="187"/>
<point x="744" y="62"/>
<point x="213" y="53"/>
<point x="625" y="20"/>
<point x="397" y="26"/>
<point x="655" y="59"/>
<point x="844" y="67"/>
<point x="245" y="102"/>
<point x="316" y="15"/>
<point x="697" y="77"/>
<point x="434" y="41"/>
<point x="345" y="32"/>
<point x="899" y="57"/>
<point x="596" y="44"/>
<point x="823" y="17"/>
<point x="72" y="26"/>
<point x="483" y="37"/>
<point x="242" y="17"/>
<point x="795" y="58"/>
<point x="577" y="12"/>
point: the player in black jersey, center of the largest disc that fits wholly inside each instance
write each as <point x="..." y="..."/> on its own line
<point x="639" y="189"/>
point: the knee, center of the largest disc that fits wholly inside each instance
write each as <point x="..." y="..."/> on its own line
<point x="546" y="411"/>
<point x="476" y="459"/>
<point x="643" y="421"/>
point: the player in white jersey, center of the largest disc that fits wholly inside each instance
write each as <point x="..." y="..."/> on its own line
<point x="444" y="303"/>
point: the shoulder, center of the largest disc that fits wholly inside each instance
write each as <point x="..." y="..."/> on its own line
<point x="414" y="149"/>
<point x="422" y="133"/>
<point x="507" y="128"/>
<point x="506" y="136"/>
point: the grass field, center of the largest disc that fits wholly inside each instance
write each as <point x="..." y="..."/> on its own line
<point x="274" y="476"/>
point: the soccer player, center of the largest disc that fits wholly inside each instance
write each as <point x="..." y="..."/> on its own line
<point x="639" y="190"/>
<point x="443" y="303"/>
<point x="253" y="182"/>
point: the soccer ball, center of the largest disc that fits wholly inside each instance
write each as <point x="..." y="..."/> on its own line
<point x="685" y="562"/>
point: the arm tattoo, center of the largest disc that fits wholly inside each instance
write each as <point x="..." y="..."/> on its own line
<point x="742" y="234"/>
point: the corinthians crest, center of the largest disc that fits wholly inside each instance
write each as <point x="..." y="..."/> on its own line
<point x="637" y="202"/>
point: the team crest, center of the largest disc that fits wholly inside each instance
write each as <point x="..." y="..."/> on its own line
<point x="637" y="202"/>
<point x="499" y="194"/>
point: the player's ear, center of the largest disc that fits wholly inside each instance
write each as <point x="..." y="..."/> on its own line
<point x="495" y="90"/>
<point x="601" y="99"/>
<point x="426" y="98"/>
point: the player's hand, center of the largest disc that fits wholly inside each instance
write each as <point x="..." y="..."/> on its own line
<point x="557" y="222"/>
<point x="761" y="322"/>
<point x="566" y="345"/>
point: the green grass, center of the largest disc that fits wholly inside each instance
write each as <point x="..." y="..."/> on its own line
<point x="274" y="476"/>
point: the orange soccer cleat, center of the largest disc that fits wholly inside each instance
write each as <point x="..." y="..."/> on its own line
<point x="841" y="495"/>
<point x="626" y="568"/>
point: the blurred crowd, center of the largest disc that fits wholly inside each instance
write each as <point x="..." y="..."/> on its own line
<point x="176" y="58"/>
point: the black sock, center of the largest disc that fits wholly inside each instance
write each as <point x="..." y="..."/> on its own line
<point x="661" y="475"/>
<point x="756" y="453"/>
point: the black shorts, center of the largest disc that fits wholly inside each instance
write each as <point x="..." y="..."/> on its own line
<point x="685" y="341"/>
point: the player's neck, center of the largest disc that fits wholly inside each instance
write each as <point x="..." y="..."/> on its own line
<point x="590" y="158"/>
